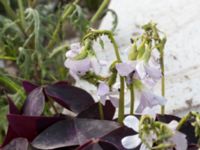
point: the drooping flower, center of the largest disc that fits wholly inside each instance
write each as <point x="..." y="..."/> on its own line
<point x="104" y="93"/>
<point x="149" y="72"/>
<point x="79" y="67"/>
<point x="75" y="49"/>
<point x="127" y="70"/>
<point x="133" y="141"/>
<point x="148" y="99"/>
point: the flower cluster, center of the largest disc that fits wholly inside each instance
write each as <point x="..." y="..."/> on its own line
<point x="174" y="138"/>
<point x="79" y="62"/>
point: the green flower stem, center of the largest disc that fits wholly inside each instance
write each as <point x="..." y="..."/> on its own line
<point x="121" y="101"/>
<point x="7" y="58"/>
<point x="109" y="34"/>
<point x="183" y="121"/>
<point x="132" y="95"/>
<point x="163" y="79"/>
<point x="99" y="11"/>
<point x="121" y="96"/>
<point x="21" y="11"/>
<point x="59" y="24"/>
<point x="122" y="83"/>
<point x="101" y="111"/>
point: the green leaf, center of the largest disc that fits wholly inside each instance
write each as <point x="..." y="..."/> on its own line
<point x="7" y="82"/>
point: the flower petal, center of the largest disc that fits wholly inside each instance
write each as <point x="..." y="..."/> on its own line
<point x="179" y="139"/>
<point x="103" y="100"/>
<point x="95" y="65"/>
<point x="114" y="101"/>
<point x="148" y="99"/>
<point x="130" y="142"/>
<point x="70" y="54"/>
<point x="141" y="69"/>
<point x="76" y="47"/>
<point x="103" y="89"/>
<point x="143" y="147"/>
<point x="132" y="122"/>
<point x="80" y="67"/>
<point x="149" y="111"/>
<point x="124" y="69"/>
<point x="153" y="99"/>
<point x="173" y="124"/>
<point x="154" y="73"/>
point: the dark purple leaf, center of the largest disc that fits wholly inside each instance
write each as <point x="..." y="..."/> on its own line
<point x="27" y="126"/>
<point x="166" y="118"/>
<point x="96" y="144"/>
<point x="17" y="144"/>
<point x="35" y="103"/>
<point x="116" y="136"/>
<point x="70" y="97"/>
<point x="12" y="107"/>
<point x="73" y="132"/>
<point x="28" y="86"/>
<point x="93" y="111"/>
<point x="11" y="134"/>
<point x="193" y="147"/>
<point x="187" y="128"/>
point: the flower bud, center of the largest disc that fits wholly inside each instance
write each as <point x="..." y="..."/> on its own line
<point x="133" y="52"/>
<point x="147" y="53"/>
<point x="141" y="49"/>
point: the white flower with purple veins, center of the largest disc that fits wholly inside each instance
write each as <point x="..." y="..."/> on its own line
<point x="178" y="138"/>
<point x="148" y="99"/>
<point x="133" y="141"/>
<point x="104" y="93"/>
<point x="150" y="72"/>
<point x="126" y="70"/>
<point x="78" y="68"/>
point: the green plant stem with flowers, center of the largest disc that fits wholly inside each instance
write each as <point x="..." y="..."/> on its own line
<point x="132" y="97"/>
<point x="93" y="35"/>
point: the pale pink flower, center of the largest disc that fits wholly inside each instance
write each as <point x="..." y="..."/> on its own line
<point x="104" y="93"/>
<point x="148" y="99"/>
<point x="148" y="74"/>
<point x="78" y="68"/>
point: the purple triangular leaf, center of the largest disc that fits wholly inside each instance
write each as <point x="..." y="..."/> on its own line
<point x="93" y="111"/>
<point x="11" y="134"/>
<point x="12" y="107"/>
<point x="35" y="103"/>
<point x="70" y="97"/>
<point x="28" y="86"/>
<point x="116" y="136"/>
<point x="17" y="144"/>
<point x="27" y="126"/>
<point x="73" y="132"/>
<point x="96" y="144"/>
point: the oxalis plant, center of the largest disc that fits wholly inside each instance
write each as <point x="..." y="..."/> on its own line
<point x="101" y="124"/>
<point x="34" y="36"/>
